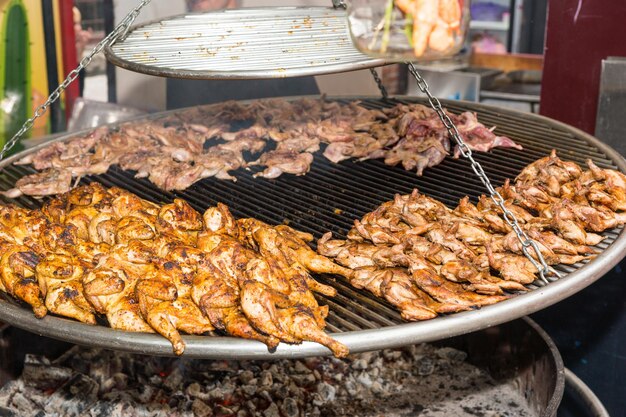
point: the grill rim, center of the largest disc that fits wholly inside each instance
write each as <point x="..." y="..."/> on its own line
<point x="358" y="341"/>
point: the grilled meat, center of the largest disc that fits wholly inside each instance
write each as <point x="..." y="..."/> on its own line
<point x="279" y="162"/>
<point x="165" y="268"/>
<point x="452" y="254"/>
<point x="177" y="150"/>
<point x="60" y="278"/>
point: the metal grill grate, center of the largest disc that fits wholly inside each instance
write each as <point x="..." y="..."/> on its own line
<point x="271" y="42"/>
<point x="329" y="198"/>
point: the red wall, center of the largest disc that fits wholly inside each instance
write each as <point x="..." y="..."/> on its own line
<point x="70" y="60"/>
<point x="579" y="35"/>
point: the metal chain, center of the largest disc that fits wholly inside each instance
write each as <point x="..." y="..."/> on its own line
<point x="339" y="4"/>
<point x="509" y="217"/>
<point x="119" y="32"/>
<point x="379" y="83"/>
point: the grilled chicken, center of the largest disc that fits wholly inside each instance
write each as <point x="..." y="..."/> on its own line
<point x="170" y="269"/>
<point x="397" y="287"/>
<point x="283" y="161"/>
<point x="459" y="256"/>
<point x="49" y="182"/>
<point x="110" y="286"/>
<point x="177" y="150"/>
<point x="444" y="291"/>
<point x="17" y="273"/>
<point x="165" y="298"/>
<point x="60" y="278"/>
<point x="266" y="270"/>
<point x="217" y="295"/>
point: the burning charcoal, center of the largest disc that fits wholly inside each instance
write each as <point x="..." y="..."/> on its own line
<point x="426" y="366"/>
<point x="266" y="379"/>
<point x="271" y="411"/>
<point x="75" y="396"/>
<point x="359" y="364"/>
<point x="326" y="392"/>
<point x="301" y="368"/>
<point x="312" y="387"/>
<point x="201" y="409"/>
<point x="24" y="404"/>
<point x="392" y="355"/>
<point x="111" y="409"/>
<point x="145" y="393"/>
<point x="174" y="379"/>
<point x="249" y="390"/>
<point x="39" y="373"/>
<point x="377" y="388"/>
<point x="7" y="412"/>
<point x="195" y="390"/>
<point x="246" y="376"/>
<point x="304" y="380"/>
<point x="222" y="411"/>
<point x="451" y="354"/>
<point x="280" y="391"/>
<point x="289" y="408"/>
<point x="364" y="379"/>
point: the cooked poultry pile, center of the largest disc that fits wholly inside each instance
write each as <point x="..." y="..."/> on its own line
<point x="177" y="150"/>
<point x="426" y="259"/>
<point x="165" y="268"/>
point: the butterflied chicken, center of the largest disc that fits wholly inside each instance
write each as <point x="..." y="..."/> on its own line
<point x="280" y="162"/>
<point x="179" y="149"/>
<point x="110" y="286"/>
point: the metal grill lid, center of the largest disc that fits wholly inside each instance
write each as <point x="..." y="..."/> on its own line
<point x="243" y="44"/>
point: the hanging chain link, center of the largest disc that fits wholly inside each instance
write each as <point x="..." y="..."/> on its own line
<point x="119" y="32"/>
<point x="379" y="83"/>
<point x="509" y="217"/>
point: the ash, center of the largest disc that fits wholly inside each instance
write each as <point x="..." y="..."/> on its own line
<point x="420" y="380"/>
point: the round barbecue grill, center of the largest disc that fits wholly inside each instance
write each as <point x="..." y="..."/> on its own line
<point x="329" y="198"/>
